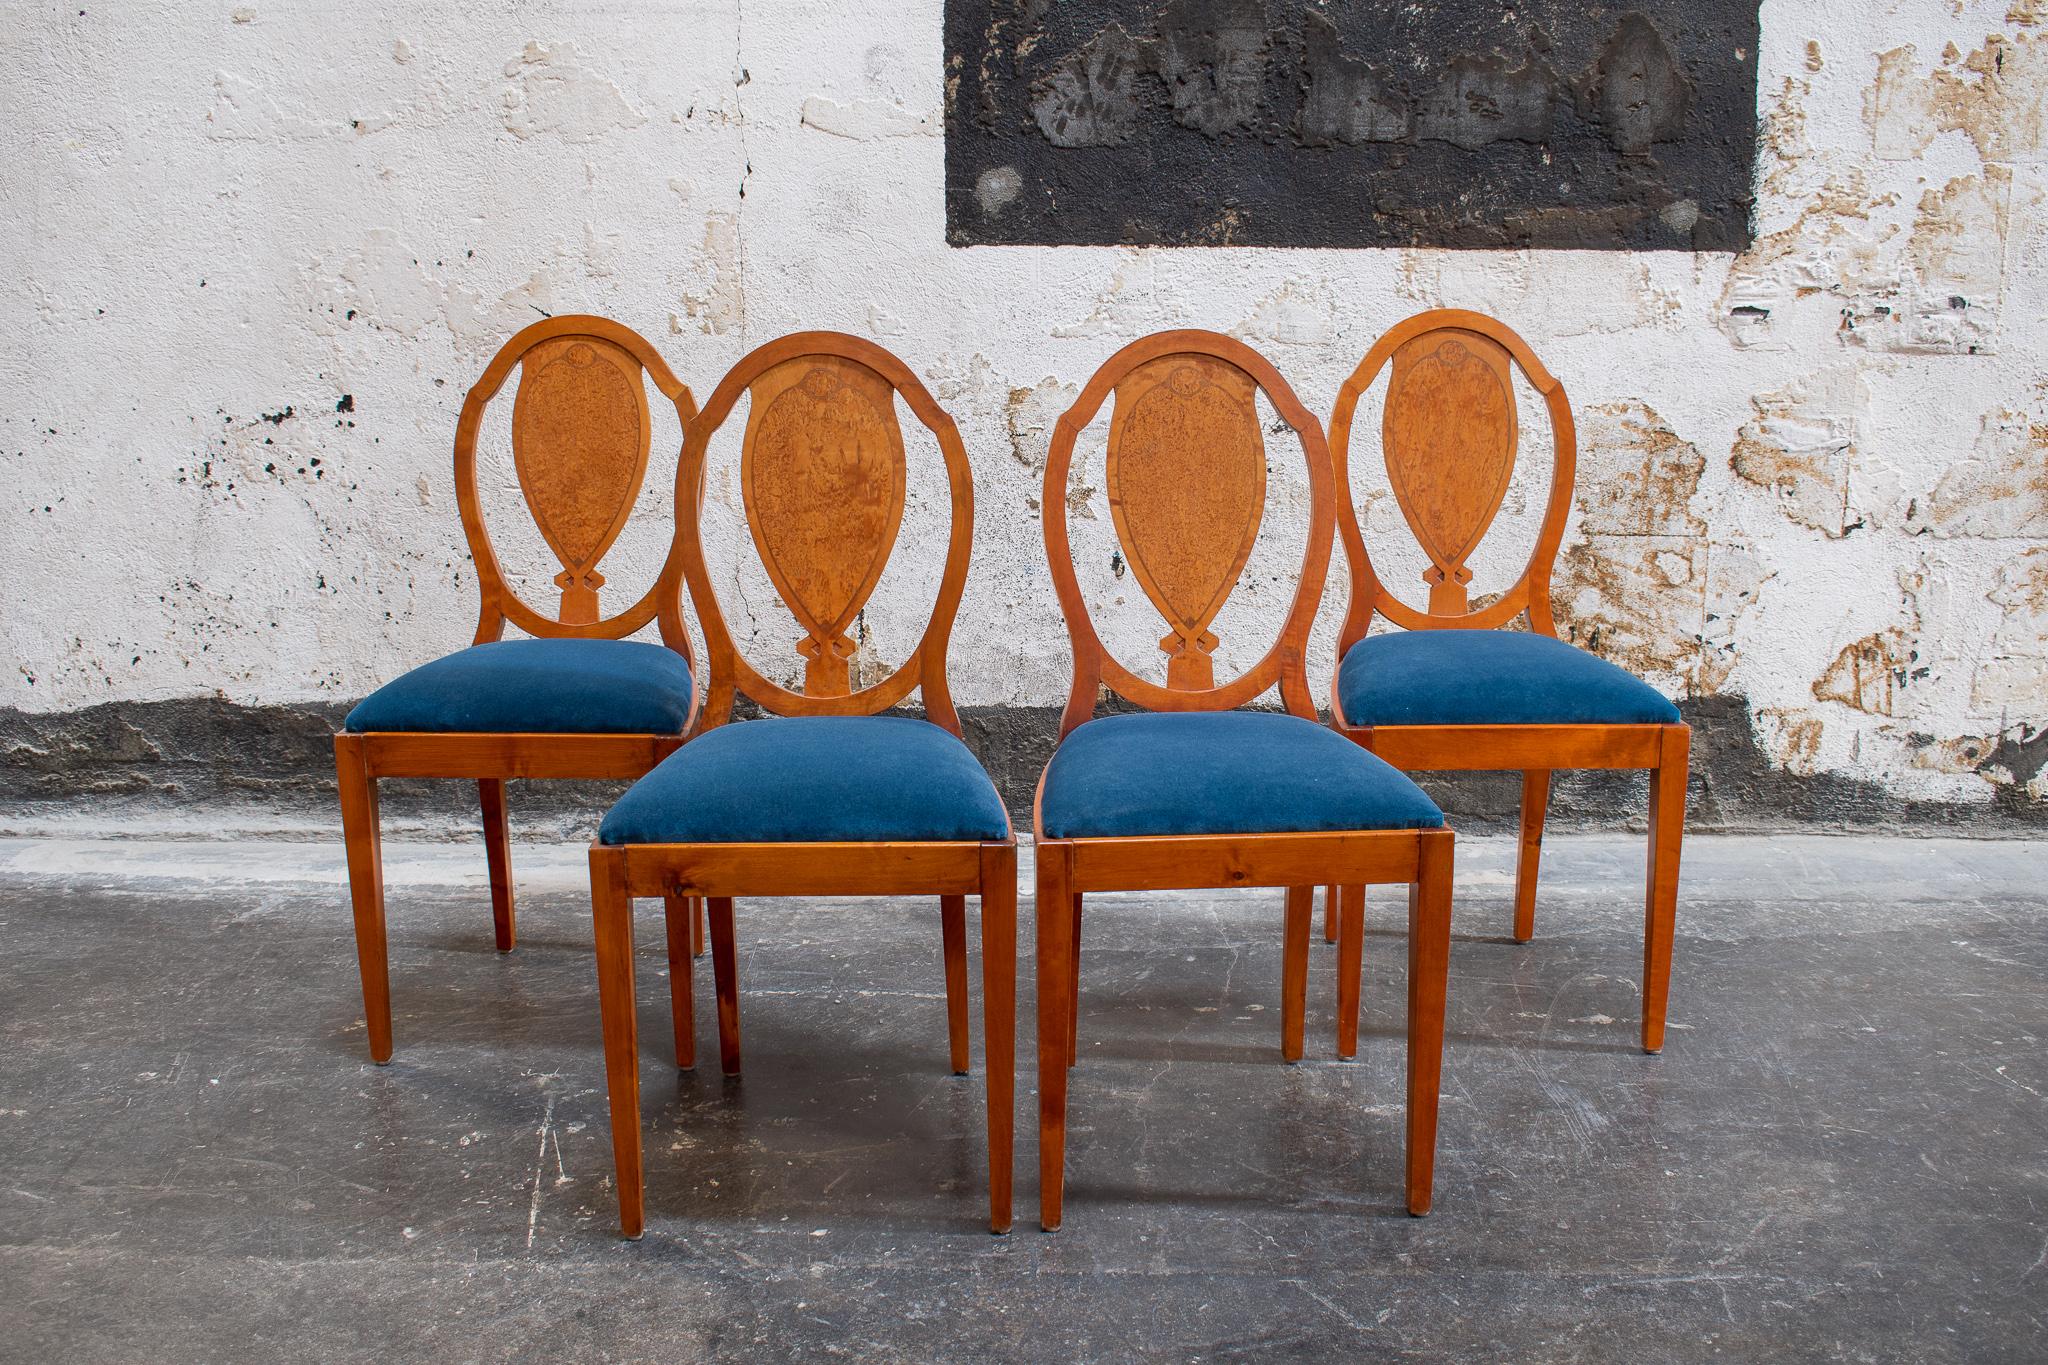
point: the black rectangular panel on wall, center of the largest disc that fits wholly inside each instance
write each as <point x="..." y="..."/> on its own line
<point x="1443" y="123"/>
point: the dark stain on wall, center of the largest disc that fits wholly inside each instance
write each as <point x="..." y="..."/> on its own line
<point x="1456" y="123"/>
<point x="200" y="759"/>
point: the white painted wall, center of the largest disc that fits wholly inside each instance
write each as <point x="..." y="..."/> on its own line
<point x="213" y="212"/>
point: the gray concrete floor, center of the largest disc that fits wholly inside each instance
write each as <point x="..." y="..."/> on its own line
<point x="1842" y="1153"/>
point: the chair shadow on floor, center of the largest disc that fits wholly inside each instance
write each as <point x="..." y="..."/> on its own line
<point x="1219" y="1200"/>
<point x="1492" y="1040"/>
<point x="811" y="1138"/>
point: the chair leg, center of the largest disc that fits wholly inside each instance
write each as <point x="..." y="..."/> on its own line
<point x="1055" y="909"/>
<point x="725" y="969"/>
<point x="953" y="927"/>
<point x="999" y="1020"/>
<point x="1350" y="970"/>
<point x="1535" y="802"/>
<point x="364" y="841"/>
<point x="1332" y="900"/>
<point x="1301" y="909"/>
<point x="679" y="917"/>
<point x="612" y="917"/>
<point x="498" y="852"/>
<point x="1667" y="831"/>
<point x="1429" y="956"/>
<point x="1074" y="985"/>
<point x="697" y="937"/>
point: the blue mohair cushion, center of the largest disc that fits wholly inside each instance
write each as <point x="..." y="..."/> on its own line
<point x="812" y="779"/>
<point x="580" y="687"/>
<point x="1221" y="772"/>
<point x="1490" y="677"/>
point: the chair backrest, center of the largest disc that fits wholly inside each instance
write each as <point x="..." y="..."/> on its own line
<point x="822" y="475"/>
<point x="581" y="436"/>
<point x="1449" y="436"/>
<point x="1186" y="473"/>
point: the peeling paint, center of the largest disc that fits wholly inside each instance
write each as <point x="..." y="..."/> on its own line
<point x="1799" y="444"/>
<point x="1997" y="96"/>
<point x="2011" y="679"/>
<point x="1031" y="413"/>
<point x="1637" y="476"/>
<point x="1793" y="739"/>
<point x="1870" y="673"/>
<point x="1300" y="312"/>
<point x="552" y="90"/>
<point x="2000" y="490"/>
<point x="720" y="305"/>
<point x="867" y="120"/>
<point x="1633" y="588"/>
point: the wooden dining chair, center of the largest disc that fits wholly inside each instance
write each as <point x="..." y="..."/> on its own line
<point x="576" y="699"/>
<point x="1450" y="691"/>
<point x="826" y="797"/>
<point x="1194" y="793"/>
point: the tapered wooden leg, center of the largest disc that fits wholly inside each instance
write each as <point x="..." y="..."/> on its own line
<point x="725" y="969"/>
<point x="1074" y="984"/>
<point x="1301" y="910"/>
<point x="679" y="917"/>
<point x="1350" y="970"/>
<point x="364" y="841"/>
<point x="1429" y="956"/>
<point x="697" y="936"/>
<point x="1331" y="904"/>
<point x="999" y="1020"/>
<point x="498" y="853"/>
<point x="612" y="916"/>
<point x="1667" y="832"/>
<point x="953" y="926"/>
<point x="1055" y="984"/>
<point x="1529" y="852"/>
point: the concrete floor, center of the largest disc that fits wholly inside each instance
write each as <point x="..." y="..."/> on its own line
<point x="1842" y="1153"/>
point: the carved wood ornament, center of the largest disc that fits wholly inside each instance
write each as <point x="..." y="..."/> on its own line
<point x="581" y="438"/>
<point x="1187" y="490"/>
<point x="580" y="441"/>
<point x="1186" y="471"/>
<point x="822" y="472"/>
<point x="822" y="477"/>
<point x="1449" y="434"/>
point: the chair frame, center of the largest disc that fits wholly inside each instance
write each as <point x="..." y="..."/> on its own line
<point x="1068" y="869"/>
<point x="1536" y="750"/>
<point x="493" y="758"/>
<point x="720" y="872"/>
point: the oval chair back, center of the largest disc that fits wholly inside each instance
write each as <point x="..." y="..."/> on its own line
<point x="581" y="437"/>
<point x="822" y="477"/>
<point x="1186" y="473"/>
<point x="1450" y="435"/>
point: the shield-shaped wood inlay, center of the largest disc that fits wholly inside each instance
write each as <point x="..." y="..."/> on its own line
<point x="1187" y="490"/>
<point x="580" y="435"/>
<point x="822" y="473"/>
<point x="1449" y="433"/>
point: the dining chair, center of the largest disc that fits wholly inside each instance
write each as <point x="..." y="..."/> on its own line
<point x="1192" y="792"/>
<point x="575" y="699"/>
<point x="1450" y="690"/>
<point x="825" y="797"/>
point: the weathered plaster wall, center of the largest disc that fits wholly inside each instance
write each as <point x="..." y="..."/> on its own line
<point x="256" y="252"/>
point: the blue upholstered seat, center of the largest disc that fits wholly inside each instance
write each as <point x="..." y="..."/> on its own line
<point x="595" y="687"/>
<point x="1490" y="677"/>
<point x="1221" y="772"/>
<point x="812" y="779"/>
